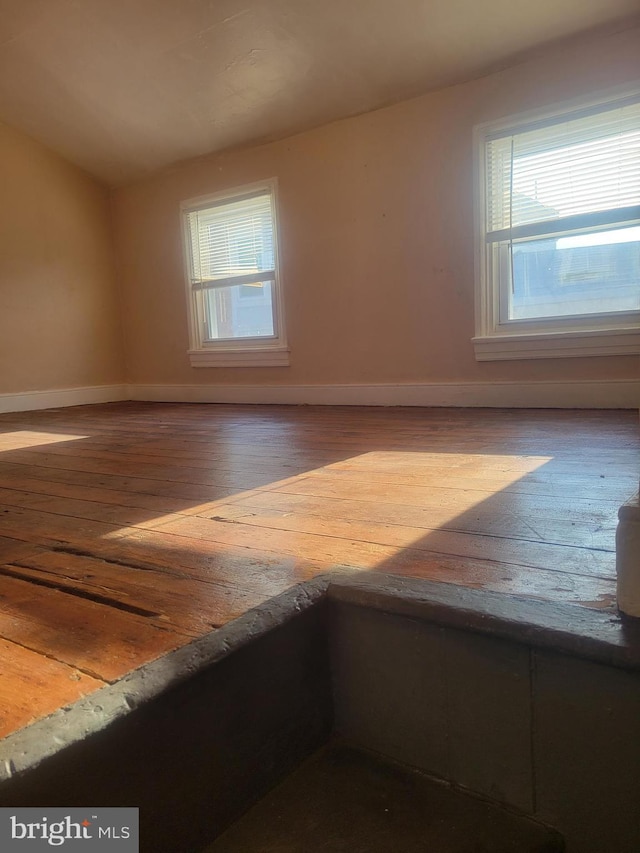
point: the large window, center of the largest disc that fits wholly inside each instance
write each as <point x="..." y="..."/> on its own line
<point x="558" y="233"/>
<point x="233" y="284"/>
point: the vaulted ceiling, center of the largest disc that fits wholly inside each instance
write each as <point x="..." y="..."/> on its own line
<point x="125" y="87"/>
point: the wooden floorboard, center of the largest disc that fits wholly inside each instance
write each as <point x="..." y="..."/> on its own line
<point x="128" y="529"/>
<point x="34" y="685"/>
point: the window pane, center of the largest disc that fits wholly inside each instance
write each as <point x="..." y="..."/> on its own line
<point x="581" y="177"/>
<point x="575" y="167"/>
<point x="233" y="238"/>
<point x="579" y="274"/>
<point x="239" y="311"/>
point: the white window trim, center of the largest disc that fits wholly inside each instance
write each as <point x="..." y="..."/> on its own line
<point x="558" y="337"/>
<point x="242" y="352"/>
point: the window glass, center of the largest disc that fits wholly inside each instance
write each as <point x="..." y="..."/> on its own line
<point x="236" y="316"/>
<point x="559" y="226"/>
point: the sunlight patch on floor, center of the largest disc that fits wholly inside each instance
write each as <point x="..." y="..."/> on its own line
<point x="301" y="493"/>
<point x="510" y="466"/>
<point x="24" y="438"/>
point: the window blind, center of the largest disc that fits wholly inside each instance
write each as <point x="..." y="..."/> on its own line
<point x="577" y="172"/>
<point x="232" y="242"/>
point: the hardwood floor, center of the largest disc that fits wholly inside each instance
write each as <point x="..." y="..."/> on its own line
<point x="128" y="529"/>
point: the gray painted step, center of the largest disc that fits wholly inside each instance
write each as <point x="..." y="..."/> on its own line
<point x="343" y="800"/>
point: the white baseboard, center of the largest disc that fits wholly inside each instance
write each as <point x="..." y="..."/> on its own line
<point x="587" y="394"/>
<point x="29" y="400"/>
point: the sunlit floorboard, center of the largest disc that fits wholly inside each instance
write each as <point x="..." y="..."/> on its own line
<point x="128" y="529"/>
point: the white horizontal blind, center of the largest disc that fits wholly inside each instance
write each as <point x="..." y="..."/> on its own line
<point x="567" y="174"/>
<point x="232" y="242"/>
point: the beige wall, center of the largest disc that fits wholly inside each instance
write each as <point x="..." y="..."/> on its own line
<point x="376" y="233"/>
<point x="59" y="312"/>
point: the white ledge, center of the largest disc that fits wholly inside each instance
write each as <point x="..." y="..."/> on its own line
<point x="249" y="357"/>
<point x="570" y="344"/>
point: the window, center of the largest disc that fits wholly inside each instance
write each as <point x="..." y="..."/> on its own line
<point x="558" y="233"/>
<point x="233" y="285"/>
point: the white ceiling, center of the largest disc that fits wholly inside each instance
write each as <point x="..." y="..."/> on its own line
<point x="124" y="87"/>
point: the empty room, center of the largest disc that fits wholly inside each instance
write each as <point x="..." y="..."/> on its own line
<point x="319" y="434"/>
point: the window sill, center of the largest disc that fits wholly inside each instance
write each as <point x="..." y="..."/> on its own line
<point x="249" y="357"/>
<point x="574" y="344"/>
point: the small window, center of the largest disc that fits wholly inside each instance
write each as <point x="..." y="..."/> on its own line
<point x="233" y="282"/>
<point x="558" y="233"/>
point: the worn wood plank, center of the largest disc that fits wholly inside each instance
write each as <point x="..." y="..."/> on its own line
<point x="11" y="549"/>
<point x="327" y="484"/>
<point x="102" y="641"/>
<point x="196" y="557"/>
<point x="13" y="474"/>
<point x="585" y="522"/>
<point x="353" y="520"/>
<point x="368" y="556"/>
<point x="47" y="528"/>
<point x="542" y="480"/>
<point x="594" y="531"/>
<point x="33" y="686"/>
<point x="167" y="472"/>
<point x="120" y="497"/>
<point x="178" y="601"/>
